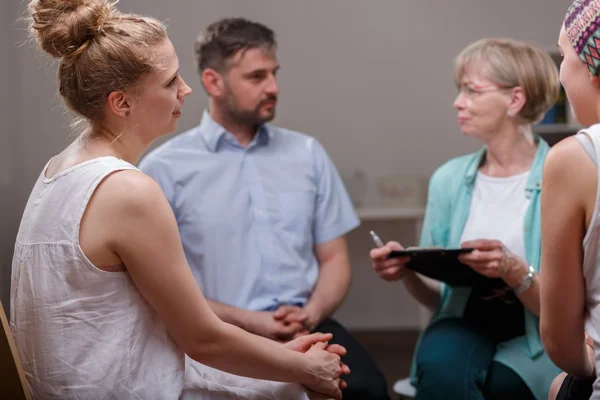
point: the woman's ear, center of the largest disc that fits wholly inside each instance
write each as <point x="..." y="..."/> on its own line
<point x="118" y="104"/>
<point x="595" y="81"/>
<point x="516" y="102"/>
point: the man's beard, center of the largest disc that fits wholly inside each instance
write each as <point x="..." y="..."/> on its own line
<point x="249" y="118"/>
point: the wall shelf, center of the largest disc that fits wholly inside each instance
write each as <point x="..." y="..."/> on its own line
<point x="389" y="213"/>
<point x="549" y="129"/>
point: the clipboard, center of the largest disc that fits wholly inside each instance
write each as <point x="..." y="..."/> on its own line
<point x="432" y="252"/>
<point x="441" y="264"/>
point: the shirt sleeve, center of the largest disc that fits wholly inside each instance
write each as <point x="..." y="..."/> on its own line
<point x="152" y="166"/>
<point x="334" y="212"/>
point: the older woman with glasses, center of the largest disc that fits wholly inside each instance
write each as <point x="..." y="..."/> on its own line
<point x="483" y="341"/>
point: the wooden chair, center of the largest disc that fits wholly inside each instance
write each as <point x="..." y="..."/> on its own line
<point x="12" y="378"/>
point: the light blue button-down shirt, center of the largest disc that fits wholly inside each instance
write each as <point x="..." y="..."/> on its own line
<point x="249" y="217"/>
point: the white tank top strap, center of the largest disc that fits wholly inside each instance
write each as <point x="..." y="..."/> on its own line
<point x="70" y="188"/>
<point x="592" y="134"/>
<point x="586" y="141"/>
<point x="100" y="168"/>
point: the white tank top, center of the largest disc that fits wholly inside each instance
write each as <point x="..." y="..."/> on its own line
<point x="83" y="333"/>
<point x="498" y="210"/>
<point x="591" y="267"/>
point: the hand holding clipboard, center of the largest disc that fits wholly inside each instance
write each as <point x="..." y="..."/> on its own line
<point x="437" y="263"/>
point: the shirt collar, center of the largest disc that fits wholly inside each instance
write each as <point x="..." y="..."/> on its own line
<point x="535" y="175"/>
<point x="213" y="134"/>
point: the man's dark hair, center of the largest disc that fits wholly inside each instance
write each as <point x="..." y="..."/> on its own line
<point x="224" y="38"/>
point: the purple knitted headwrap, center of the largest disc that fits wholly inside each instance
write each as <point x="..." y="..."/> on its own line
<point x="582" y="24"/>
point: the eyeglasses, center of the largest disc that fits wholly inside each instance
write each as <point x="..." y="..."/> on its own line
<point x="470" y="91"/>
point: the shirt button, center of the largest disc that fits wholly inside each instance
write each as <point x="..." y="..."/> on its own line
<point x="260" y="213"/>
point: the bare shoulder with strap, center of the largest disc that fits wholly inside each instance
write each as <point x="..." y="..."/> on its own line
<point x="584" y="139"/>
<point x="99" y="220"/>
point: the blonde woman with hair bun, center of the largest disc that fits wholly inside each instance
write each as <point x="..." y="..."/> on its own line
<point x="103" y="303"/>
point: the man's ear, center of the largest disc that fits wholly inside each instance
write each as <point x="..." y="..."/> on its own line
<point x="213" y="82"/>
<point x="118" y="104"/>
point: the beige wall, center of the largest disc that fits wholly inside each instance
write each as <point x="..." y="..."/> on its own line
<point x="372" y="80"/>
<point x="11" y="194"/>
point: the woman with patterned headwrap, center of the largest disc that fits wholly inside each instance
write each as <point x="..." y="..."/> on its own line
<point x="570" y="290"/>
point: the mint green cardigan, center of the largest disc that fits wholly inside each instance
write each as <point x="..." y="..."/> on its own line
<point x="448" y="206"/>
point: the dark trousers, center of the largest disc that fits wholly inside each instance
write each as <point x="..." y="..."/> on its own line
<point x="365" y="381"/>
<point x="455" y="361"/>
<point x="574" y="388"/>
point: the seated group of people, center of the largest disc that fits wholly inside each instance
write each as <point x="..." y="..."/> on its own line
<point x="213" y="268"/>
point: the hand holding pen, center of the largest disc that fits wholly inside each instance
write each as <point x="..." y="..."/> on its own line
<point x="389" y="269"/>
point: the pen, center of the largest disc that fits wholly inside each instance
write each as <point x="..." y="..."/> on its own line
<point x="376" y="239"/>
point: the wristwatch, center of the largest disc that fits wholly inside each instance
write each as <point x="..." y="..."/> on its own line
<point x="526" y="282"/>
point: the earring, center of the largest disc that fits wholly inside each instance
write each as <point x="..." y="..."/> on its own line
<point x="510" y="113"/>
<point x="127" y="113"/>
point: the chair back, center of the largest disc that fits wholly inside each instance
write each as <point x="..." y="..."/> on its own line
<point x="12" y="378"/>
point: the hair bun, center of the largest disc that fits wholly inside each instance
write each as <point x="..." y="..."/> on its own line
<point x="62" y="26"/>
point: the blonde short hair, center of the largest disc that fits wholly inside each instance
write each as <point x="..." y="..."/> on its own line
<point x="513" y="63"/>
